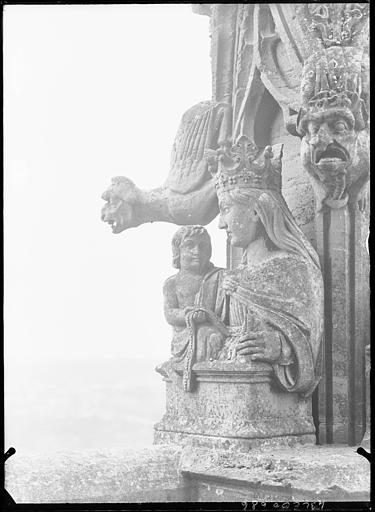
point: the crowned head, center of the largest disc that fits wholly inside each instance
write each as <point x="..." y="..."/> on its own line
<point x="333" y="122"/>
<point x="335" y="74"/>
<point x="243" y="165"/>
<point x="246" y="179"/>
<point x="336" y="78"/>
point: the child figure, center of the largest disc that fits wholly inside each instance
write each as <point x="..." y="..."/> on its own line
<point x="194" y="300"/>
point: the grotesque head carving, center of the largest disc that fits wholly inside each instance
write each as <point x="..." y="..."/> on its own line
<point x="332" y="124"/>
<point x="121" y="198"/>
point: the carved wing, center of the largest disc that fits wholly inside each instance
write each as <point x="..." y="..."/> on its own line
<point x="201" y="128"/>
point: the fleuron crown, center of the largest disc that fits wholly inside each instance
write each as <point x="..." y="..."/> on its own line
<point x="243" y="165"/>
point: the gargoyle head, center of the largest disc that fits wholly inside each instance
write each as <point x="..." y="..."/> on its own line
<point x="121" y="198"/>
<point x="334" y="153"/>
<point x="332" y="124"/>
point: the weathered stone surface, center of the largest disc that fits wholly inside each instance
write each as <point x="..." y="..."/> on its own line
<point x="272" y="306"/>
<point x="190" y="299"/>
<point x="307" y="473"/>
<point x="341" y="243"/>
<point x="96" y="476"/>
<point x="279" y="270"/>
<point x="333" y="126"/>
<point x="296" y="187"/>
<point x="333" y="119"/>
<point x="366" y="441"/>
<point x="169" y="474"/>
<point x="259" y="68"/>
<point x="234" y="406"/>
<point x="188" y="195"/>
<point x="335" y="143"/>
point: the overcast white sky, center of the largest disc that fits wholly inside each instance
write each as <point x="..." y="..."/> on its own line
<point x="91" y="92"/>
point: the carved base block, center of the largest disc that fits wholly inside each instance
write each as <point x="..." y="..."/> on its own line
<point x="233" y="405"/>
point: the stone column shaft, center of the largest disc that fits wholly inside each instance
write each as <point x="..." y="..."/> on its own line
<point x="341" y="392"/>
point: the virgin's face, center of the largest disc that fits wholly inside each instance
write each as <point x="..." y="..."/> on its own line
<point x="240" y="221"/>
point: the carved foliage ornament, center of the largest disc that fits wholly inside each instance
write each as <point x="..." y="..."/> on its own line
<point x="335" y="24"/>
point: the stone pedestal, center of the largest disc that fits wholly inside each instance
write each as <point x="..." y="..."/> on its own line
<point x="233" y="406"/>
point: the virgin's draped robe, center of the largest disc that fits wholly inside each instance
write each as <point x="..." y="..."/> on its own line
<point x="282" y="294"/>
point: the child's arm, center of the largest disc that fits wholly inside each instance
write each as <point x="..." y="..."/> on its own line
<point x="173" y="314"/>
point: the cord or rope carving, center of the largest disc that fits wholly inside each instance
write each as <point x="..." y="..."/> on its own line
<point x="192" y="343"/>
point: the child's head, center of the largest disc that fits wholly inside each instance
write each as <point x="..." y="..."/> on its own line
<point x="191" y="248"/>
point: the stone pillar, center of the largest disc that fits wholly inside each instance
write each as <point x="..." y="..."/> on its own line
<point x="333" y="126"/>
<point x="340" y="240"/>
<point x="366" y="441"/>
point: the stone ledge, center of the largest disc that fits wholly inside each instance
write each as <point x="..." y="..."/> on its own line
<point x="310" y="473"/>
<point x="90" y="476"/>
<point x="171" y="474"/>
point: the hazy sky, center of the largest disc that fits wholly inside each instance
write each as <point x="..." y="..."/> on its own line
<point x="91" y="92"/>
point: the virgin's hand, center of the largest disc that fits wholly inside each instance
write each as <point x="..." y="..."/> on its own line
<point x="261" y="346"/>
<point x="230" y="284"/>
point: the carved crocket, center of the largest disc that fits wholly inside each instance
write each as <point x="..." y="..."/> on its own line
<point x="188" y="195"/>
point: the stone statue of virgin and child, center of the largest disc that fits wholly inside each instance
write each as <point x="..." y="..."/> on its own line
<point x="269" y="309"/>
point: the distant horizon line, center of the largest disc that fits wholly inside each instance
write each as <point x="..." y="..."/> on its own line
<point x="33" y="359"/>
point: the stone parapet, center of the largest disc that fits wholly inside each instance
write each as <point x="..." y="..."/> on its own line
<point x="309" y="473"/>
<point x="171" y="474"/>
<point x="96" y="476"/>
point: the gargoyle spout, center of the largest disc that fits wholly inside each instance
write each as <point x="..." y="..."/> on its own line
<point x="188" y="196"/>
<point x="127" y="206"/>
